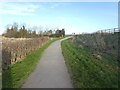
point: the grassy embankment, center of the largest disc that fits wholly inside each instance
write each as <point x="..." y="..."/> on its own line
<point x="86" y="70"/>
<point x="18" y="73"/>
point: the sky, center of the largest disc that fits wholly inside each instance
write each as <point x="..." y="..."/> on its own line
<point x="74" y="17"/>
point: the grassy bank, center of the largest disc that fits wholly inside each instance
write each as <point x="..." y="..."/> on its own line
<point x="17" y="74"/>
<point x="86" y="70"/>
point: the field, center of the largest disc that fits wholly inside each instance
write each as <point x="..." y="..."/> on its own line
<point x="88" y="67"/>
<point x="16" y="49"/>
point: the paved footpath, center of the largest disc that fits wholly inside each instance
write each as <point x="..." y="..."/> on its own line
<point x="51" y="71"/>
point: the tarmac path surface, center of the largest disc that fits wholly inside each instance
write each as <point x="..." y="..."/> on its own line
<point x="51" y="71"/>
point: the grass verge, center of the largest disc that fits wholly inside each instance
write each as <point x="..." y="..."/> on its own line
<point x="86" y="70"/>
<point x="18" y="73"/>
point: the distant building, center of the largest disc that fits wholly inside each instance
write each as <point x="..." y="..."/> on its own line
<point x="60" y="33"/>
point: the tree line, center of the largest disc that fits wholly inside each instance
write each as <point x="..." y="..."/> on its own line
<point x="16" y="31"/>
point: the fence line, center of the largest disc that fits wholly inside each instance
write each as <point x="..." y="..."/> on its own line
<point x="113" y="30"/>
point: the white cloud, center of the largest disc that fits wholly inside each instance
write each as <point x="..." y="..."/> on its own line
<point x="19" y="9"/>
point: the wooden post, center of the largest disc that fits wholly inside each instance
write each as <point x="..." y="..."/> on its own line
<point x="114" y="30"/>
<point x="118" y="45"/>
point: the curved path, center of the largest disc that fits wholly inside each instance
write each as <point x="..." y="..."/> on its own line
<point x="51" y="71"/>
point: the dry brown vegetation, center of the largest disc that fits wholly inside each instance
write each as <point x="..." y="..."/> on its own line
<point x="15" y="49"/>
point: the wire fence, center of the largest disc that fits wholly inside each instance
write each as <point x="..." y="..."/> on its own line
<point x="113" y="30"/>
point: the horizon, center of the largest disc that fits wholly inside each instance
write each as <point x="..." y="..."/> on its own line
<point x="74" y="17"/>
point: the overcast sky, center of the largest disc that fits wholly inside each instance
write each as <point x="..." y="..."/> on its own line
<point x="75" y="17"/>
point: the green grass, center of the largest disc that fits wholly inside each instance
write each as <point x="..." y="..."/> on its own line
<point x="86" y="70"/>
<point x="18" y="73"/>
